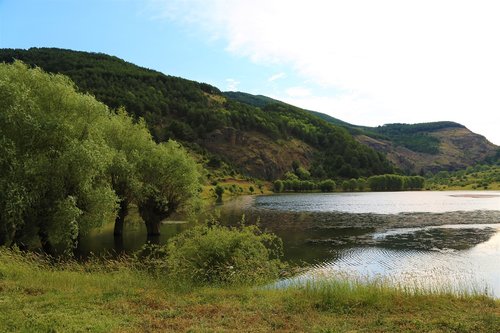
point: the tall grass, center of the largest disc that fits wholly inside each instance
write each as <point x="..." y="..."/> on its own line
<point x="38" y="294"/>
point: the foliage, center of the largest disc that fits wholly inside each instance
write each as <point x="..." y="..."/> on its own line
<point x="171" y="181"/>
<point x="114" y="295"/>
<point x="416" y="136"/>
<point x="483" y="177"/>
<point x="396" y="183"/>
<point x="54" y="167"/>
<point x="219" y="191"/>
<point x="215" y="254"/>
<point x="189" y="111"/>
<point x="67" y="161"/>
<point x="327" y="185"/>
<point x="278" y="186"/>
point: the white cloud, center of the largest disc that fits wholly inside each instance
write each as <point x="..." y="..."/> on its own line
<point x="396" y="60"/>
<point x="298" y="92"/>
<point x="232" y="84"/>
<point x="276" y="76"/>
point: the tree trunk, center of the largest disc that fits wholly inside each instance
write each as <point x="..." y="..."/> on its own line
<point x="153" y="227"/>
<point x="152" y="216"/>
<point x="120" y="218"/>
<point x="118" y="244"/>
<point x="7" y="235"/>
<point x="46" y="244"/>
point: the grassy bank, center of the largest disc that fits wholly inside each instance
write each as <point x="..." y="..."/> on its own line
<point x="113" y="296"/>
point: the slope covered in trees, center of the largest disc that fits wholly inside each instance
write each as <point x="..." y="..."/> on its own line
<point x="413" y="148"/>
<point x="257" y="141"/>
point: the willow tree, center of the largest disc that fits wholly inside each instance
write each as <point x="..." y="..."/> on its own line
<point x="68" y="164"/>
<point x="160" y="178"/>
<point x="132" y="142"/>
<point x="170" y="184"/>
<point x="53" y="179"/>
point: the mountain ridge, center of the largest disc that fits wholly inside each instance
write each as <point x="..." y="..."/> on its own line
<point x="256" y="135"/>
<point x="414" y="148"/>
<point x="258" y="142"/>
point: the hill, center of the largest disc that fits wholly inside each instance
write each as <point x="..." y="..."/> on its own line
<point x="260" y="141"/>
<point x="414" y="148"/>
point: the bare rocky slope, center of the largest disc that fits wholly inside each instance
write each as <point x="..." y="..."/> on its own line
<point x="458" y="149"/>
<point x="414" y="148"/>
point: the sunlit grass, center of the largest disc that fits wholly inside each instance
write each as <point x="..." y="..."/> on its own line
<point x="114" y="296"/>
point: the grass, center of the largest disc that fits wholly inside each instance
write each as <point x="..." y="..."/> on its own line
<point x="482" y="177"/>
<point x="113" y="296"/>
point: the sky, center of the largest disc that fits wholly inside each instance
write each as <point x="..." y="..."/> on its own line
<point x="366" y="62"/>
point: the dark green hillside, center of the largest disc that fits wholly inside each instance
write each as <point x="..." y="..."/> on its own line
<point x="416" y="137"/>
<point x="414" y="148"/>
<point x="412" y="136"/>
<point x="261" y="142"/>
<point x="261" y="101"/>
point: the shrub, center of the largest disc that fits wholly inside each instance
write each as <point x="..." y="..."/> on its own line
<point x="278" y="186"/>
<point x="327" y="185"/>
<point x="219" y="191"/>
<point x="215" y="254"/>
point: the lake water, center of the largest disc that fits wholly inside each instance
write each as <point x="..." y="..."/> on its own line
<point x="440" y="240"/>
<point x="431" y="240"/>
<point x="382" y="202"/>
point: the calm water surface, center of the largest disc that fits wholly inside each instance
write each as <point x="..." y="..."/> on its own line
<point x="433" y="240"/>
<point x="437" y="240"/>
<point x="382" y="202"/>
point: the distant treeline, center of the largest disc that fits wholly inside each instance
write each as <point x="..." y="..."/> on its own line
<point x="388" y="182"/>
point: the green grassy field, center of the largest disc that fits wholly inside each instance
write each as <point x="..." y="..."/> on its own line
<point x="113" y="296"/>
<point x="481" y="177"/>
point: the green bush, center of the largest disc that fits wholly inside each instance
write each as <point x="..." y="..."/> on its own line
<point x="215" y="254"/>
<point x="219" y="191"/>
<point x="278" y="186"/>
<point x="327" y="185"/>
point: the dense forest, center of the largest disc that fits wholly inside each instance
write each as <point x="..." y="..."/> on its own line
<point x="416" y="136"/>
<point x="412" y="136"/>
<point x="188" y="111"/>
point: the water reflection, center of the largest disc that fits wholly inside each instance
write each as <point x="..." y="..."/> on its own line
<point x="417" y="239"/>
<point x="382" y="202"/>
<point x="474" y="270"/>
<point x="134" y="236"/>
<point x="431" y="240"/>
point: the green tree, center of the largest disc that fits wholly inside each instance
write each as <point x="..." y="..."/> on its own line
<point x="353" y="184"/>
<point x="54" y="180"/>
<point x="132" y="143"/>
<point x="219" y="191"/>
<point x="171" y="183"/>
<point x="68" y="162"/>
<point x="327" y="185"/>
<point x="345" y="185"/>
<point x="302" y="173"/>
<point x="278" y="186"/>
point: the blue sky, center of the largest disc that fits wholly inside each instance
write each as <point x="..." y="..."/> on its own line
<point x="364" y="62"/>
<point x="130" y="30"/>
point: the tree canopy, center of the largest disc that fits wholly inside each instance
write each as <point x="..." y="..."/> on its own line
<point x="67" y="161"/>
<point x="188" y="111"/>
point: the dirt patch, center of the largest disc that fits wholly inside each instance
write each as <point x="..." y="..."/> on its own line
<point x="475" y="196"/>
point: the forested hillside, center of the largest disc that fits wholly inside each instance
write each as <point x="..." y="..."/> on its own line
<point x="257" y="141"/>
<point x="413" y="148"/>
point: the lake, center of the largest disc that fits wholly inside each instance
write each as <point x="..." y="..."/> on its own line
<point x="433" y="240"/>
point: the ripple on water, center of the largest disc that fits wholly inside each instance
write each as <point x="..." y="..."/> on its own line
<point x="410" y="269"/>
